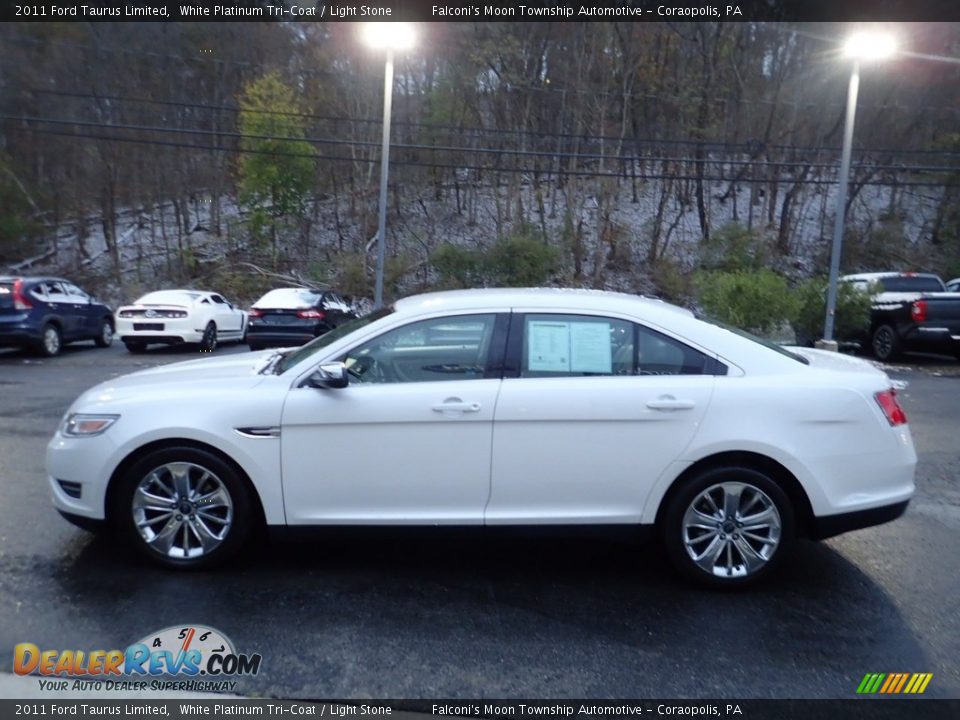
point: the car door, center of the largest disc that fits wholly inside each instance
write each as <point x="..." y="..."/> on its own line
<point x="61" y="306"/>
<point x="86" y="318"/>
<point x="228" y="320"/>
<point x="599" y="407"/>
<point x="408" y="440"/>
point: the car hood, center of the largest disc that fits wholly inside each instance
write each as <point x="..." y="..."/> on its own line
<point x="193" y="379"/>
<point x="829" y="360"/>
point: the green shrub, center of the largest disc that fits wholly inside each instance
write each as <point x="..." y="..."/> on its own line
<point x="759" y="302"/>
<point x="734" y="247"/>
<point x="457" y="267"/>
<point x="521" y="259"/>
<point x="852" y="318"/>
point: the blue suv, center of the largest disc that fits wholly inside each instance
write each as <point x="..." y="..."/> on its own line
<point x="46" y="313"/>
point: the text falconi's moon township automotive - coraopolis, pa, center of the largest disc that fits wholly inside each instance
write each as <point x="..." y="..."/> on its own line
<point x="570" y="11"/>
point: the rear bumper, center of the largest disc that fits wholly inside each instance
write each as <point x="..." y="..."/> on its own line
<point x="259" y="337"/>
<point x="827" y="526"/>
<point x="17" y="334"/>
<point x="153" y="339"/>
<point x="170" y="330"/>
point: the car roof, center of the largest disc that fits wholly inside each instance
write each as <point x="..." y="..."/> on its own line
<point x="880" y="275"/>
<point x="32" y="278"/>
<point x="546" y="298"/>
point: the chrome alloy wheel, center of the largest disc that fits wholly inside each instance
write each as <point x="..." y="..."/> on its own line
<point x="731" y="529"/>
<point x="182" y="510"/>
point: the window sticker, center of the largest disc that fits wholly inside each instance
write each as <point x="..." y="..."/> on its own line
<point x="548" y="346"/>
<point x="590" y="350"/>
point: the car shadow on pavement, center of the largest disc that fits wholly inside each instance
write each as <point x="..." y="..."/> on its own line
<point x="587" y="617"/>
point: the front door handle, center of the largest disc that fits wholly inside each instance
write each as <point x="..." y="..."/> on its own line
<point x="456" y="406"/>
<point x="669" y="403"/>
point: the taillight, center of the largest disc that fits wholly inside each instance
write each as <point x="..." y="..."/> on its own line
<point x="310" y="314"/>
<point x="19" y="301"/>
<point x="255" y="313"/>
<point x="891" y="407"/>
<point x="918" y="311"/>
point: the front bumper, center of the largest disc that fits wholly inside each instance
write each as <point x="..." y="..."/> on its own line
<point x="73" y="473"/>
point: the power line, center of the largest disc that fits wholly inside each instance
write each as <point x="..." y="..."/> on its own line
<point x="484" y="168"/>
<point x="499" y="152"/>
<point x="551" y="136"/>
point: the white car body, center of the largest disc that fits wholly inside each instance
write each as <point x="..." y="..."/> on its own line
<point x="179" y="316"/>
<point x="500" y="450"/>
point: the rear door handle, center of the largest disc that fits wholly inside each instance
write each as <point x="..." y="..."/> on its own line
<point x="456" y="406"/>
<point x="669" y="403"/>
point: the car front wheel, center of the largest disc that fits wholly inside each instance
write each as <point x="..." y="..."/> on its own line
<point x="105" y="337"/>
<point x="728" y="527"/>
<point x="183" y="508"/>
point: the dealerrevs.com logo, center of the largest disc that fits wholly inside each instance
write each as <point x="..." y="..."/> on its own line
<point x="189" y="651"/>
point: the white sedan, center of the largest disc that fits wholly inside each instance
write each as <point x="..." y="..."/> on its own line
<point x="496" y="407"/>
<point x="180" y="316"/>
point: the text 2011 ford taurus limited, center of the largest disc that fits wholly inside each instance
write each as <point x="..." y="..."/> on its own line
<point x="496" y="407"/>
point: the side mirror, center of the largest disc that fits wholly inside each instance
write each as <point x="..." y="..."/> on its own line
<point x="329" y="376"/>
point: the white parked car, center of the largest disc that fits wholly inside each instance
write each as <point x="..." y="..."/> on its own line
<point x="496" y="407"/>
<point x="180" y="316"/>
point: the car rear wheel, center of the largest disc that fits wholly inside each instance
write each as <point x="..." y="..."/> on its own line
<point x="183" y="508"/>
<point x="136" y="347"/>
<point x="728" y="527"/>
<point x="885" y="343"/>
<point x="105" y="338"/>
<point x="208" y="343"/>
<point x="51" y="340"/>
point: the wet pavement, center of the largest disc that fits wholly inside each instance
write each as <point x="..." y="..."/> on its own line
<point x="402" y="614"/>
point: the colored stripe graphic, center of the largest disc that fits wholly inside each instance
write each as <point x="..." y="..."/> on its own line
<point x="894" y="683"/>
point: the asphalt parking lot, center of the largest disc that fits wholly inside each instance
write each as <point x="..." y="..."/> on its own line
<point x="411" y="614"/>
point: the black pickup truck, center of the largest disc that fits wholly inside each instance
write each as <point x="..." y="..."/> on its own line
<point x="911" y="311"/>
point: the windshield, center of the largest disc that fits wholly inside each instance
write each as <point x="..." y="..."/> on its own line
<point x="301" y="354"/>
<point x="760" y="341"/>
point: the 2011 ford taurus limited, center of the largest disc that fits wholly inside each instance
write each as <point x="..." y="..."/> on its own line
<point x="496" y="407"/>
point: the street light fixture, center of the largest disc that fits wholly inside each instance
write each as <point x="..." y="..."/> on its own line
<point x="862" y="46"/>
<point x="388" y="36"/>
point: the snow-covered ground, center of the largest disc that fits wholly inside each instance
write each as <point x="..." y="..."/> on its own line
<point x="148" y="239"/>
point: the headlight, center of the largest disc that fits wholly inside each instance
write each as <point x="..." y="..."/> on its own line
<point x="83" y="425"/>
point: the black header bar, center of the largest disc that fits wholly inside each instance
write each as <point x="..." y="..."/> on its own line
<point x="483" y="10"/>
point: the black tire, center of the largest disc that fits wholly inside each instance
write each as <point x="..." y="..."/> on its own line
<point x="135" y="347"/>
<point x="885" y="343"/>
<point x="254" y="346"/>
<point x="729" y="567"/>
<point x="105" y="338"/>
<point x="208" y="472"/>
<point x="51" y="340"/>
<point x="208" y="343"/>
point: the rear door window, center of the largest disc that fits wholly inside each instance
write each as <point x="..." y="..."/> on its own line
<point x="582" y="345"/>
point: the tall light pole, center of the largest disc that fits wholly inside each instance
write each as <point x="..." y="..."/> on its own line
<point x="859" y="47"/>
<point x="388" y="36"/>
